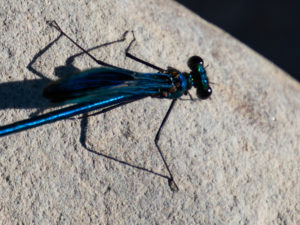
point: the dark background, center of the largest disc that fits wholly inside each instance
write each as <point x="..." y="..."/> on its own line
<point x="271" y="28"/>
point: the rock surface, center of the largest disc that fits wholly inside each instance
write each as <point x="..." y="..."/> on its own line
<point x="235" y="156"/>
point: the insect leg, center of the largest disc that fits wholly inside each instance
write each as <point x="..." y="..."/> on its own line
<point x="129" y="55"/>
<point x="171" y="181"/>
<point x="54" y="24"/>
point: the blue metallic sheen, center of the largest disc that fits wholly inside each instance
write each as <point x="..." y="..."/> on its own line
<point x="99" y="88"/>
<point x="103" y="87"/>
<point x="181" y="89"/>
<point x="204" y="78"/>
<point x="59" y="115"/>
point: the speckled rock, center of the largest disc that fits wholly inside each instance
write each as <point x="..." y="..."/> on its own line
<point x="235" y="157"/>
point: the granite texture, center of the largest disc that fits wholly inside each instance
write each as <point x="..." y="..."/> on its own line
<point x="235" y="157"/>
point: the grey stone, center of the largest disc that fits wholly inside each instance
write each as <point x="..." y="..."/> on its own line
<point x="235" y="157"/>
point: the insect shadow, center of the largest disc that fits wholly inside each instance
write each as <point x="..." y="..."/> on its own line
<point x="18" y="97"/>
<point x="27" y="94"/>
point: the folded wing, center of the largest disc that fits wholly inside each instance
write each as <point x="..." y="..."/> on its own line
<point x="105" y="83"/>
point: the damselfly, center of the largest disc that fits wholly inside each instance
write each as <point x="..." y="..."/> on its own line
<point x="109" y="87"/>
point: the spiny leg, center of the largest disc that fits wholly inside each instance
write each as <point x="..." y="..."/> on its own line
<point x="54" y="24"/>
<point x="171" y="181"/>
<point x="129" y="55"/>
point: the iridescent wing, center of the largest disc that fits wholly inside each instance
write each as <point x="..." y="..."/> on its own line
<point x="105" y="83"/>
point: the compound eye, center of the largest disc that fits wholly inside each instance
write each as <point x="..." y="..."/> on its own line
<point x="194" y="62"/>
<point x="204" y="94"/>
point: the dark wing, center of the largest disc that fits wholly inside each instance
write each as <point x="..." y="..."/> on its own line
<point x="105" y="83"/>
